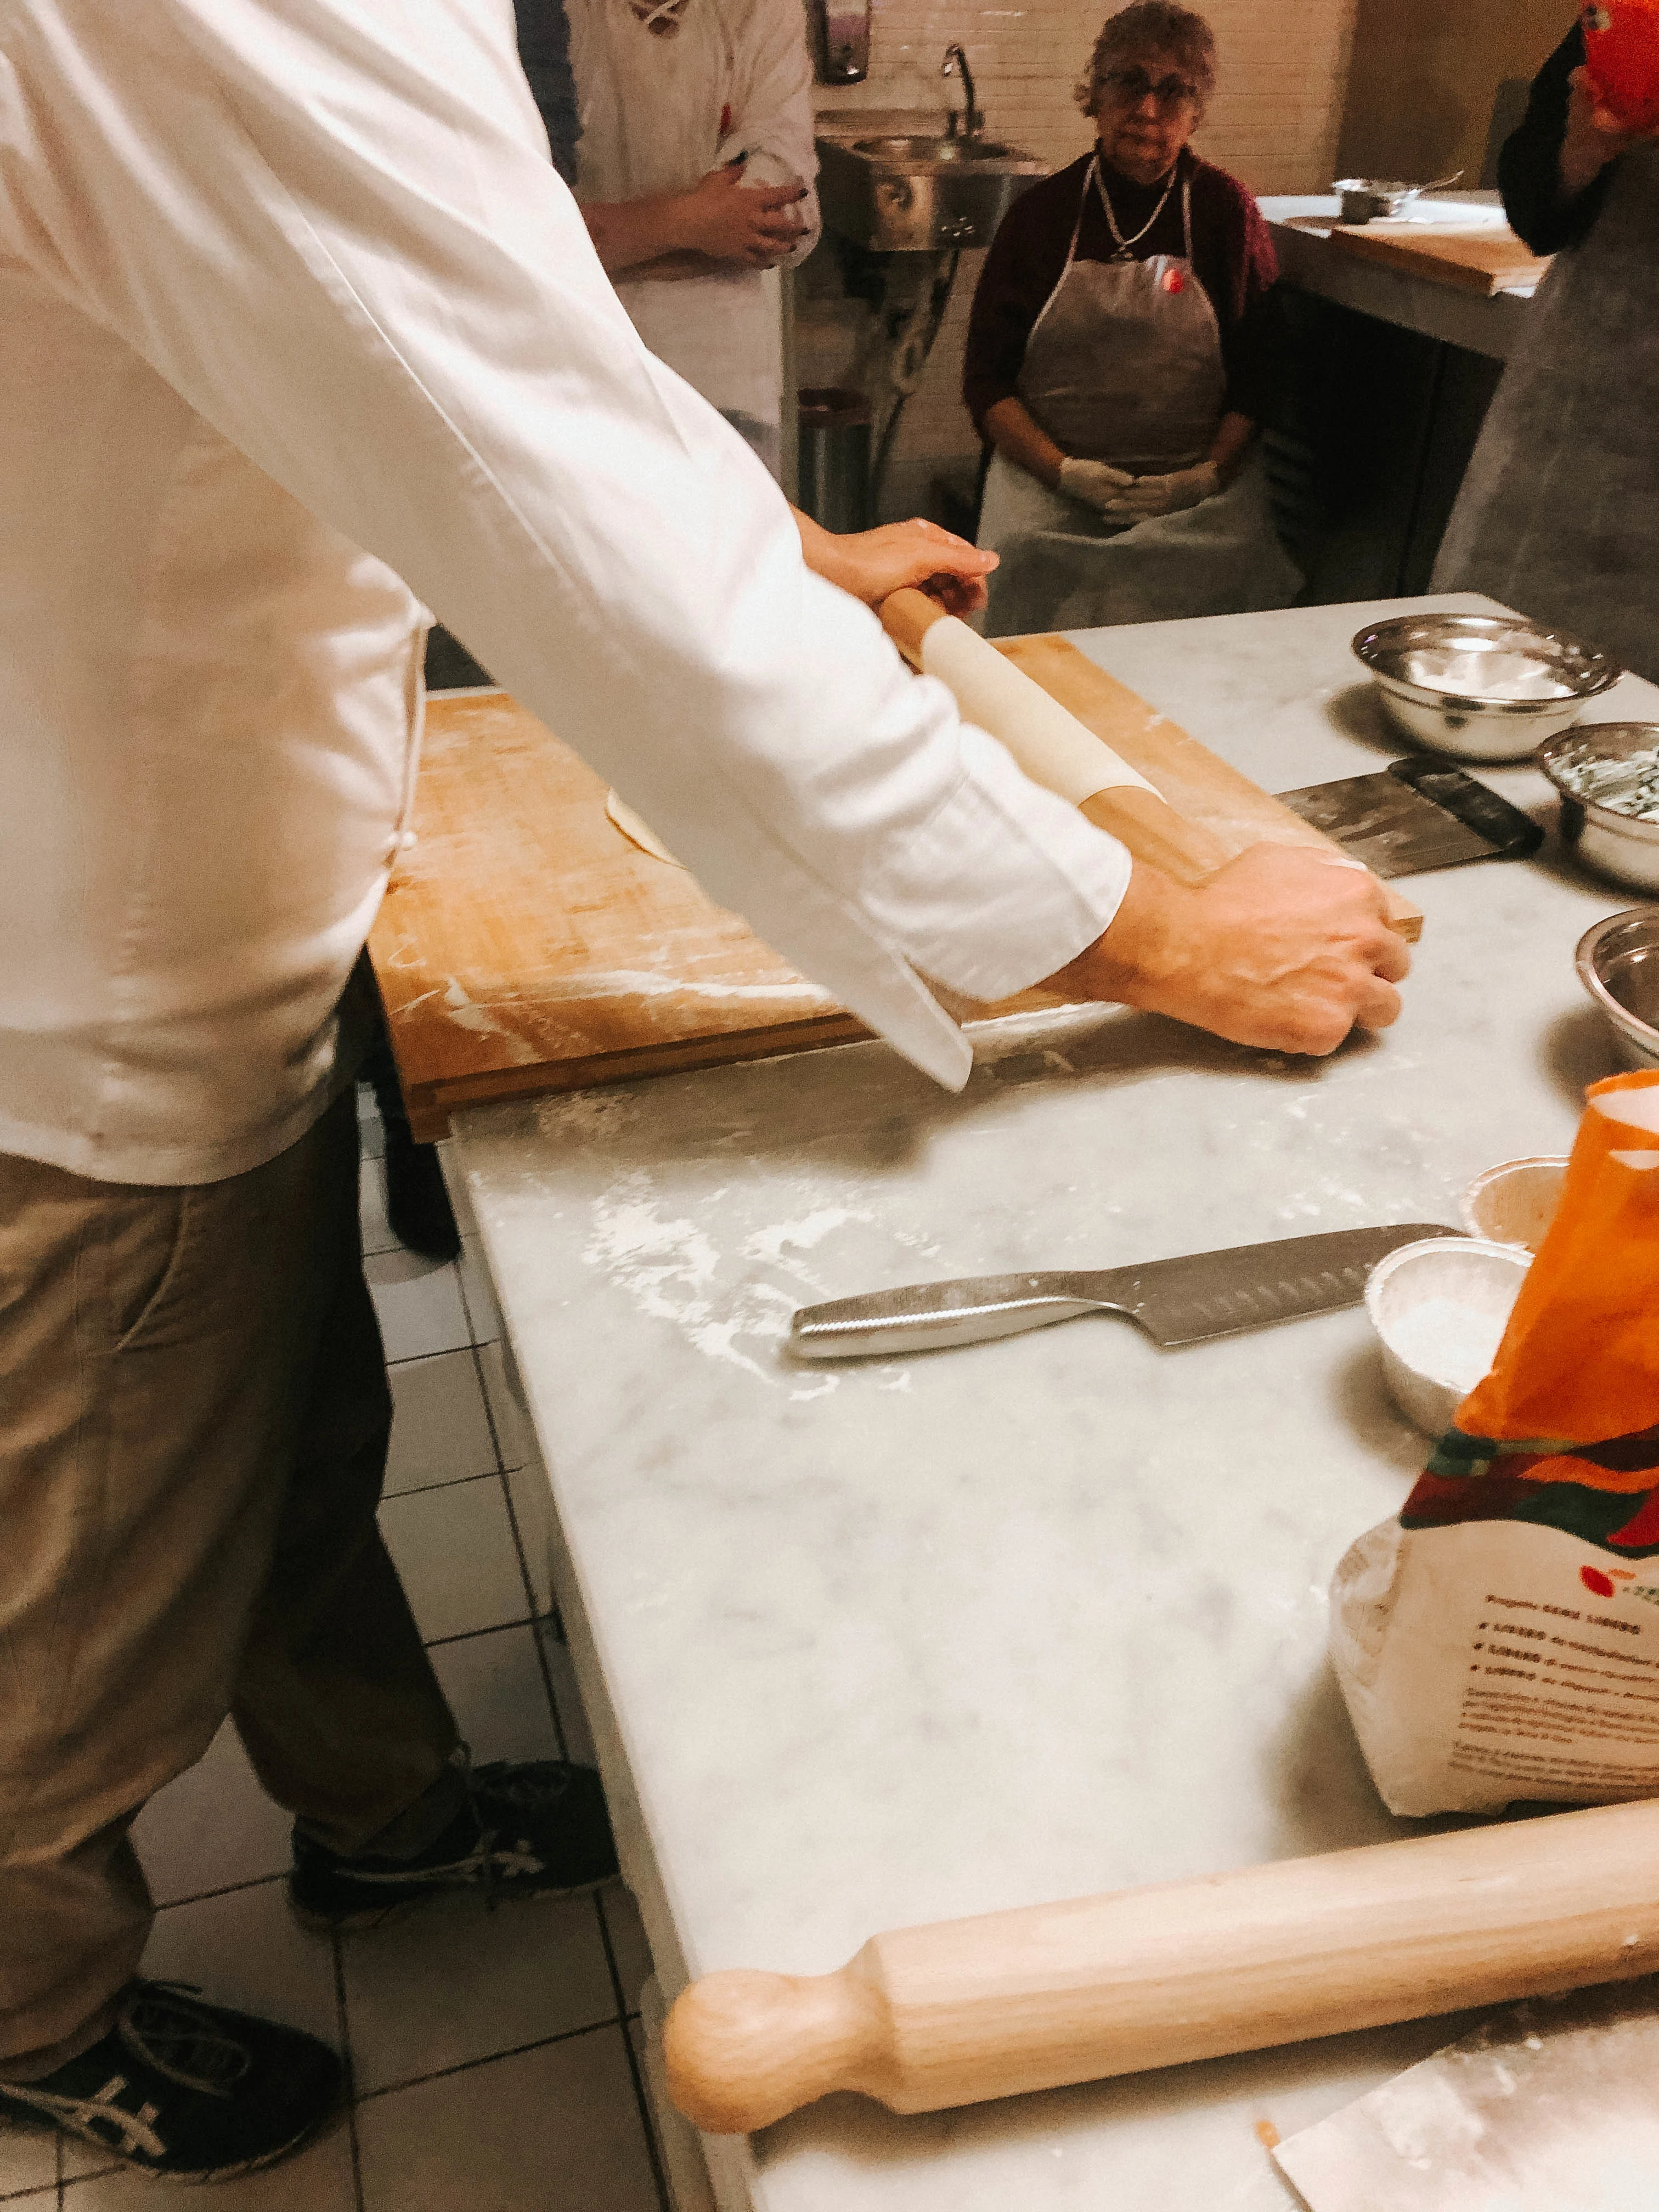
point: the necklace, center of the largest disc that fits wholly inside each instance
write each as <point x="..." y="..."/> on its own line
<point x="1122" y="243"/>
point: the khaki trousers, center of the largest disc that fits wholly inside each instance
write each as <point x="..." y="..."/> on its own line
<point x="193" y="1424"/>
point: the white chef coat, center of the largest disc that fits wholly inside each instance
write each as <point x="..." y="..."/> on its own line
<point x="658" y="113"/>
<point x="279" y="284"/>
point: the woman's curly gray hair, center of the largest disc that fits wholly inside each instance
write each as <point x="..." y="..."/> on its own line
<point x="1146" y="30"/>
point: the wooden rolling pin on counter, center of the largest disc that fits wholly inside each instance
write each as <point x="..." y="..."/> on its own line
<point x="1013" y="2002"/>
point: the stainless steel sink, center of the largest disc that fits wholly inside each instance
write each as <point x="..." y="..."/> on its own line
<point x="906" y="153"/>
<point x="920" y="194"/>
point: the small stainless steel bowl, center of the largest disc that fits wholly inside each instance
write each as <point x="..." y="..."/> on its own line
<point x="1618" y="964"/>
<point x="1482" y="687"/>
<point x="1365" y="197"/>
<point x="1621" y="846"/>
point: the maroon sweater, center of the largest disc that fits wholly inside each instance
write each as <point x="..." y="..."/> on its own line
<point x="1232" y="256"/>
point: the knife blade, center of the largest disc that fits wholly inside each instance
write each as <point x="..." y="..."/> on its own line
<point x="1183" y="1301"/>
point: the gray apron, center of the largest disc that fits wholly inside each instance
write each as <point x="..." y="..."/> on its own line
<point x="1124" y="365"/>
<point x="1558" y="515"/>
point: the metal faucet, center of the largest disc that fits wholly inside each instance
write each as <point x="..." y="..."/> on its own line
<point x="969" y="123"/>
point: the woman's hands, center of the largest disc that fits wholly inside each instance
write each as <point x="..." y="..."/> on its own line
<point x="1119" y="497"/>
<point x="1594" y="136"/>
<point x="1095" y="483"/>
<point x="870" y="563"/>
<point x="1147" y="496"/>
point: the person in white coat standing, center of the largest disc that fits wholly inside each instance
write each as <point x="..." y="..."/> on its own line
<point x="695" y="177"/>
<point x="300" y="335"/>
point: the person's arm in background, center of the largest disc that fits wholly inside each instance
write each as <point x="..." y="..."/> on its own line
<point x="1553" y="193"/>
<point x="543" y="37"/>
<point x="1249" y="331"/>
<point x="720" y="220"/>
<point x="1012" y="286"/>
<point x="771" y="119"/>
<point x="757" y="207"/>
<point x="381" y="293"/>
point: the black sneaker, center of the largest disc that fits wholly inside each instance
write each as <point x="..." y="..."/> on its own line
<point x="187" y="2091"/>
<point x="417" y="1207"/>
<point x="530" y="1828"/>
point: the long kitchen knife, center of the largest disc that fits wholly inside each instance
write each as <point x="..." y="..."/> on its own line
<point x="1184" y="1301"/>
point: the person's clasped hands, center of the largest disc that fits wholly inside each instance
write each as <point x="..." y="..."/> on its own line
<point x="1147" y="496"/>
<point x="730" y="221"/>
<point x="1117" y="496"/>
<point x="1096" y="483"/>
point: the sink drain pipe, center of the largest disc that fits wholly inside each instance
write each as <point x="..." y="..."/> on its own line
<point x="910" y="349"/>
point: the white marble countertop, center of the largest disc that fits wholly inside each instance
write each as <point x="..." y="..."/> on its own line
<point x="1302" y="226"/>
<point x="1036" y="1618"/>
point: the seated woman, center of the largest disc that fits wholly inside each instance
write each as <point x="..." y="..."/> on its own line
<point x="1117" y="361"/>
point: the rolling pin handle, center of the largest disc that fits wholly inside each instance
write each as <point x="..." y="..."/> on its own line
<point x="741" y="2048"/>
<point x="907" y="615"/>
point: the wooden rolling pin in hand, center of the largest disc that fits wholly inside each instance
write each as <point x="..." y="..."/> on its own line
<point x="1050" y="744"/>
<point x="967" y="2010"/>
<point x="1060" y="752"/>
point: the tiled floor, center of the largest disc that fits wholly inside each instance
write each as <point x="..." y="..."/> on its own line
<point x="493" y="2057"/>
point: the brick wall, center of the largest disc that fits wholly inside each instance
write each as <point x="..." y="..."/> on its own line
<point x="1274" y="122"/>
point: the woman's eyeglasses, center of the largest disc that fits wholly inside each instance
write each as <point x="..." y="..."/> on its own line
<point x="1132" y="86"/>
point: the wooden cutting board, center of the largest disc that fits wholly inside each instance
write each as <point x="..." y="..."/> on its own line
<point x="1484" y="259"/>
<point x="526" y="945"/>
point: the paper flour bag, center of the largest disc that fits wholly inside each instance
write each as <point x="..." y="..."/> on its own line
<point x="1500" y="1640"/>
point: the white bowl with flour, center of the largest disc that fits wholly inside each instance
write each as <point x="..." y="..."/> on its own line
<point x="1439" y="1309"/>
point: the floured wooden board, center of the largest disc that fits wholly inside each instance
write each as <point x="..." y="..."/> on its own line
<point x="1484" y="259"/>
<point x="1197" y="784"/>
<point x="526" y="944"/>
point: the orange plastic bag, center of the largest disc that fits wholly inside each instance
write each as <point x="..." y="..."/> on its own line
<point x="1500" y="1640"/>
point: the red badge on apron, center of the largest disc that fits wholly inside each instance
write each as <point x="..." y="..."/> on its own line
<point x="1173" y="280"/>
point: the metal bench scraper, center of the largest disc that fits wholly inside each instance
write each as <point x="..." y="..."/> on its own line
<point x="1414" y="814"/>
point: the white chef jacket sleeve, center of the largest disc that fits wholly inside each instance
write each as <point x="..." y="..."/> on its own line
<point x="772" y="114"/>
<point x="333" y="228"/>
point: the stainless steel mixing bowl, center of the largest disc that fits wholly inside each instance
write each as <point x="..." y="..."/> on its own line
<point x="1621" y="846"/>
<point x="1619" y="965"/>
<point x="1482" y="687"/>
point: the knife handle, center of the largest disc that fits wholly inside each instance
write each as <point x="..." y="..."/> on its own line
<point x="927" y="1316"/>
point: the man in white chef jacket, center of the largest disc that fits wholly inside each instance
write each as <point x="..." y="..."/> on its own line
<point x="693" y="172"/>
<point x="292" y="308"/>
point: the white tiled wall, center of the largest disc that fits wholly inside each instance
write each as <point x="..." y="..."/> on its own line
<point x="1274" y="122"/>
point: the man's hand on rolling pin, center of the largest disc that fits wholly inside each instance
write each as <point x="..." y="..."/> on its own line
<point x="870" y="563"/>
<point x="1281" y="949"/>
